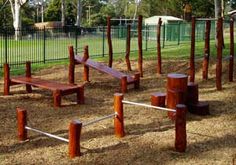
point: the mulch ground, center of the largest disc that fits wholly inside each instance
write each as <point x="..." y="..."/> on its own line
<point x="149" y="133"/>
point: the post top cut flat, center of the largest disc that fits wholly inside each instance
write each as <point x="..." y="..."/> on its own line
<point x="176" y="75"/>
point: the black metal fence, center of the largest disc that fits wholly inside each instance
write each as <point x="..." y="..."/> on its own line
<point x="44" y="45"/>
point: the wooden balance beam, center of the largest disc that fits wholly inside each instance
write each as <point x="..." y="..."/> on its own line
<point x="125" y="79"/>
<point x="57" y="89"/>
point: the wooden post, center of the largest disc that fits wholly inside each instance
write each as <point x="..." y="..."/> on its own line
<point x="219" y="36"/>
<point x="119" y="119"/>
<point x="231" y="60"/>
<point x="176" y="91"/>
<point x="57" y="98"/>
<point x="21" y="123"/>
<point x="180" y="128"/>
<point x="158" y="99"/>
<point x="28" y="75"/>
<point x="159" y="46"/>
<point x="140" y="47"/>
<point x="192" y="93"/>
<point x="137" y="80"/>
<point x="206" y="50"/>
<point x="128" y="49"/>
<point x="7" y="81"/>
<point x="71" y="65"/>
<point x="80" y="95"/>
<point x="123" y="84"/>
<point x="74" y="138"/>
<point x="86" y="68"/>
<point x="192" y="55"/>
<point x="109" y="41"/>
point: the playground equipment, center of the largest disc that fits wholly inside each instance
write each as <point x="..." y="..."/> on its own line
<point x="219" y="36"/>
<point x="57" y="89"/>
<point x="76" y="126"/>
<point x="125" y="79"/>
<point x="140" y="51"/>
<point x="74" y="132"/>
<point x="179" y="91"/>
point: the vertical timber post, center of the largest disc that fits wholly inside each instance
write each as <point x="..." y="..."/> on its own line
<point x="119" y="119"/>
<point x="80" y="95"/>
<point x="205" y="64"/>
<point x="159" y="46"/>
<point x="140" y="47"/>
<point x="71" y="65"/>
<point x="219" y="53"/>
<point x="127" y="55"/>
<point x="192" y="55"/>
<point x="7" y="81"/>
<point x="28" y="75"/>
<point x="21" y="123"/>
<point x="109" y="42"/>
<point x="123" y="84"/>
<point x="74" y="138"/>
<point x="158" y="99"/>
<point x="231" y="60"/>
<point x="86" y="68"/>
<point x="180" y="128"/>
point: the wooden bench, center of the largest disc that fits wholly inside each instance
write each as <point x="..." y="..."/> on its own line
<point x="125" y="79"/>
<point x="57" y="89"/>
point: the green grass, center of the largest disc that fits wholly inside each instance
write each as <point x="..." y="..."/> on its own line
<point x="29" y="50"/>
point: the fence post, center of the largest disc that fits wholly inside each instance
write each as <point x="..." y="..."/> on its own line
<point x="146" y="35"/>
<point x="179" y="33"/>
<point x="118" y="108"/>
<point x="6" y="45"/>
<point x="231" y="60"/>
<point x="180" y="128"/>
<point x="103" y="41"/>
<point x="164" y="35"/>
<point x="76" y="39"/>
<point x="44" y="44"/>
<point x="21" y="123"/>
<point x="219" y="36"/>
<point x="74" y="138"/>
<point x="192" y="53"/>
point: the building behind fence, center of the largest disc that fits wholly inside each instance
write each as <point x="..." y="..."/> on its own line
<point x="50" y="44"/>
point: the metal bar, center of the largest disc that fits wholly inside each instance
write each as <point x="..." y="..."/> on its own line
<point x="148" y="106"/>
<point x="205" y="19"/>
<point x="117" y="19"/>
<point x="47" y="134"/>
<point x="99" y="119"/>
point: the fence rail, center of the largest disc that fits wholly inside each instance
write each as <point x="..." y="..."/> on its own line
<point x="44" y="45"/>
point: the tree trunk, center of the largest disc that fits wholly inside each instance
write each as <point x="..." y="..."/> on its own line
<point x="79" y="11"/>
<point x="63" y="13"/>
<point x="17" y="20"/>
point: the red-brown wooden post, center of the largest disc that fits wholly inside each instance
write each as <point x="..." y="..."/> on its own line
<point x="219" y="36"/>
<point x="57" y="98"/>
<point x="137" y="80"/>
<point x="80" y="95"/>
<point x="206" y="50"/>
<point x="192" y="55"/>
<point x="123" y="84"/>
<point x="176" y="91"/>
<point x="140" y="47"/>
<point x="28" y="74"/>
<point x="231" y="60"/>
<point x="192" y="93"/>
<point x="86" y="68"/>
<point x="180" y="128"/>
<point x="158" y="99"/>
<point x="128" y="49"/>
<point x="119" y="119"/>
<point x="109" y="41"/>
<point x="7" y="81"/>
<point x="74" y="138"/>
<point x="71" y="65"/>
<point x="21" y="123"/>
<point x="159" y="46"/>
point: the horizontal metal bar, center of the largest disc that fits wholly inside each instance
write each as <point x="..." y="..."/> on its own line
<point x="206" y="19"/>
<point x="99" y="119"/>
<point x="123" y="19"/>
<point x="148" y="106"/>
<point x="47" y="134"/>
